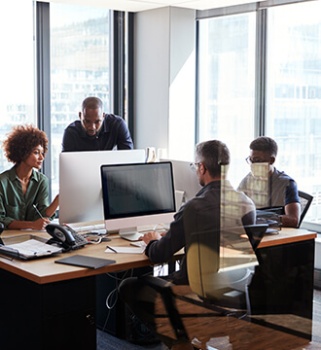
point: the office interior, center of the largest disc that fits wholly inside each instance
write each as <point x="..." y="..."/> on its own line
<point x="164" y="63"/>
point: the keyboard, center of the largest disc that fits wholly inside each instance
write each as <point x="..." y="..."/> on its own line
<point x="138" y="244"/>
<point x="97" y="228"/>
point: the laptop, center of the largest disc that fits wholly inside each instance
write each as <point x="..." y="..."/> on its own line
<point x="271" y="217"/>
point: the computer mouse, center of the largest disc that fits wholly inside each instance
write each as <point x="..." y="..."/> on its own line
<point x="1" y="227"/>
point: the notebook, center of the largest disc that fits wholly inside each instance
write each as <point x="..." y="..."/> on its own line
<point x="27" y="247"/>
<point x="85" y="261"/>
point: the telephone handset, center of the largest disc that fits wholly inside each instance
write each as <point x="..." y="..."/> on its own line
<point x="65" y="236"/>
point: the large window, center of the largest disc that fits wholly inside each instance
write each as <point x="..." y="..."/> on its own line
<point x="293" y="104"/>
<point x="80" y="67"/>
<point x="283" y="101"/>
<point x="227" y="83"/>
<point x="17" y="68"/>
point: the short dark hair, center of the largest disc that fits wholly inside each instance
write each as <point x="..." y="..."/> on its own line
<point x="92" y="102"/>
<point x="21" y="141"/>
<point x="264" y="144"/>
<point x="213" y="154"/>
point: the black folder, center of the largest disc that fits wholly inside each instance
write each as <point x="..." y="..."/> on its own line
<point x="85" y="261"/>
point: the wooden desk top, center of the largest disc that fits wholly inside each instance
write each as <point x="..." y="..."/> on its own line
<point x="44" y="270"/>
<point x="287" y="235"/>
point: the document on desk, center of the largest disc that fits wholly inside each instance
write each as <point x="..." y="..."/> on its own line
<point x="124" y="250"/>
<point x="29" y="249"/>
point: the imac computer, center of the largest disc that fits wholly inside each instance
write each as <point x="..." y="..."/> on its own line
<point x="185" y="180"/>
<point x="136" y="195"/>
<point x="80" y="194"/>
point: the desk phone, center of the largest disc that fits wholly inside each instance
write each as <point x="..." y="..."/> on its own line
<point x="65" y="236"/>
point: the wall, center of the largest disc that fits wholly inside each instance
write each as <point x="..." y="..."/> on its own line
<point x="165" y="81"/>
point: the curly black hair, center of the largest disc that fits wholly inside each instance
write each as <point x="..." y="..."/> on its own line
<point x="22" y="140"/>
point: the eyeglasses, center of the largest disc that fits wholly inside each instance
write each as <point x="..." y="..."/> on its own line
<point x="249" y="160"/>
<point x="194" y="166"/>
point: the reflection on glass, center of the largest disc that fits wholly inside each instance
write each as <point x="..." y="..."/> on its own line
<point x="256" y="185"/>
<point x="226" y="84"/>
<point x="221" y="261"/>
<point x="294" y="94"/>
<point x="79" y="67"/>
<point x="17" y="68"/>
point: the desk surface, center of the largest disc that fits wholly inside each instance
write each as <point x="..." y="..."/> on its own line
<point x="44" y="270"/>
<point x="287" y="235"/>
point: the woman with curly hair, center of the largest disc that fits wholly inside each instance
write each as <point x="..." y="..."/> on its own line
<point x="24" y="191"/>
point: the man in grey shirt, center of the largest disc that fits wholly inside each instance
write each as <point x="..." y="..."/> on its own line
<point x="267" y="186"/>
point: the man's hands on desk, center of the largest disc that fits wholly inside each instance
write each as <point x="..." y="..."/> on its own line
<point x="152" y="236"/>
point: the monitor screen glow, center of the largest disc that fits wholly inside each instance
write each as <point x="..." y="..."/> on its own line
<point x="137" y="194"/>
<point x="80" y="194"/>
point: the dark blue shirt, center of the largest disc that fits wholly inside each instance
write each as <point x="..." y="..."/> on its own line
<point x="113" y="134"/>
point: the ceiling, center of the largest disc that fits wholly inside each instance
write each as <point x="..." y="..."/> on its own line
<point x="143" y="5"/>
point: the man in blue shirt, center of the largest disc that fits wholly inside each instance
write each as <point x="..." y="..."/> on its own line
<point x="267" y="186"/>
<point x="95" y="130"/>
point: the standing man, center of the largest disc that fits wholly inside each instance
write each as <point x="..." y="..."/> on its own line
<point x="267" y="186"/>
<point x="95" y="130"/>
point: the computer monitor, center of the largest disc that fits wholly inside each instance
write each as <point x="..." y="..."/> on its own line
<point x="137" y="195"/>
<point x="80" y="195"/>
<point x="185" y="179"/>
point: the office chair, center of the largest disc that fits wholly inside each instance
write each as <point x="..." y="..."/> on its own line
<point x="218" y="276"/>
<point x="305" y="201"/>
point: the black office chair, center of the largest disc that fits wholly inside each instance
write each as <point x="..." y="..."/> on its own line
<point x="305" y="201"/>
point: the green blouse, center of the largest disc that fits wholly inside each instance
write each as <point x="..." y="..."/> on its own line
<point x="14" y="205"/>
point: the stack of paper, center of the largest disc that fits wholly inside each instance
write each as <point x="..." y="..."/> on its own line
<point x="29" y="249"/>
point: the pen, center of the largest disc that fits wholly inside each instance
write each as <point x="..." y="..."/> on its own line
<point x="112" y="249"/>
<point x="38" y="212"/>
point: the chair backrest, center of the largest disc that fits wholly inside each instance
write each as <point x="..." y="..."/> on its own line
<point x="305" y="201"/>
<point x="218" y="265"/>
<point x="218" y="250"/>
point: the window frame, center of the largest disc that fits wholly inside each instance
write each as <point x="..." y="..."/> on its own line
<point x="261" y="8"/>
<point x="119" y="102"/>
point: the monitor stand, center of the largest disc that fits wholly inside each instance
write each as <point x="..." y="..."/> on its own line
<point x="131" y="234"/>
